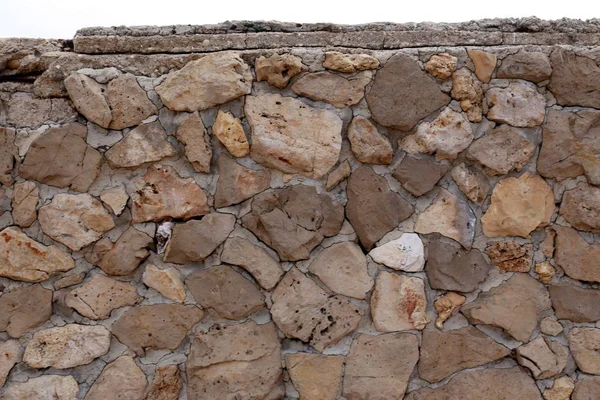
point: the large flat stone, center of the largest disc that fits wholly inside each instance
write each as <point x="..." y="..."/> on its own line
<point x="128" y="102"/>
<point x="581" y="207"/>
<point x="419" y="175"/>
<point x="237" y="183"/>
<point x="519" y="104"/>
<point x="10" y="352"/>
<point x="47" y="387"/>
<point x="584" y="344"/>
<point x="575" y="79"/>
<point x="586" y="388"/>
<point x="24" y="308"/>
<point x="575" y="303"/>
<point x="575" y="256"/>
<point x="338" y="90"/>
<point x="531" y="66"/>
<point x="367" y="144"/>
<point x="121" y="378"/>
<point x="315" y="376"/>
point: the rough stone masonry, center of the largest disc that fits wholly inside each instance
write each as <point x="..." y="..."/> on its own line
<point x="269" y="211"/>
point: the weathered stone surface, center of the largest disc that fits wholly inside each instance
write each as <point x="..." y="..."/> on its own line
<point x="24" y="110"/>
<point x="195" y="240"/>
<point x="9" y="154"/>
<point x="128" y="101"/>
<point x="519" y="206"/>
<point x="145" y="144"/>
<point x="244" y="358"/>
<point x="403" y="254"/>
<point x="61" y="157"/>
<point x="229" y="130"/>
<point x="509" y="255"/>
<point x="497" y="307"/>
<point x="472" y="182"/>
<point x="167" y="383"/>
<point x="449" y="216"/>
<point x="198" y="149"/>
<point x="123" y="256"/>
<point x="571" y="145"/>
<point x="47" y="387"/>
<point x="264" y="268"/>
<point x="581" y="207"/>
<point x="67" y="346"/>
<point x="158" y="326"/>
<point x="315" y="376"/>
<point x="441" y="65"/>
<point x="24" y="202"/>
<point x="575" y="256"/>
<point x="97" y="298"/>
<point x="115" y="198"/>
<point x="374" y="371"/>
<point x="349" y="63"/>
<point x="543" y="357"/>
<point x="451" y="268"/>
<point x="293" y="137"/>
<point x="468" y="90"/>
<point x="372" y="208"/>
<point x="529" y="65"/>
<point x="398" y="303"/>
<point x="368" y="145"/>
<point x="165" y="281"/>
<point x="584" y="344"/>
<point x="75" y="220"/>
<point x="551" y="326"/>
<point x="212" y="80"/>
<point x="334" y="89"/>
<point x="586" y="389"/>
<point x="561" y="390"/>
<point x="575" y="80"/>
<point x="121" y="378"/>
<point x="88" y="98"/>
<point x="342" y="267"/>
<point x="303" y="310"/>
<point x="445" y="306"/>
<point x="501" y="151"/>
<point x="575" y="303"/>
<point x="9" y="356"/>
<point x="237" y="183"/>
<point x="294" y="220"/>
<point x="278" y="69"/>
<point x="161" y="194"/>
<point x="24" y="259"/>
<point x="225" y="291"/>
<point x="24" y="308"/>
<point x="402" y="94"/>
<point x="339" y="174"/>
<point x="446" y="136"/>
<point x="486" y="384"/>
<point x="519" y="104"/>
<point x="484" y="63"/>
<point x="444" y="353"/>
<point x="419" y="175"/>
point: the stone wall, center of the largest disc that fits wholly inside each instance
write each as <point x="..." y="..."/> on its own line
<point x="265" y="210"/>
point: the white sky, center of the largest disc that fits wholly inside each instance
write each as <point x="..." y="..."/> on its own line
<point x="61" y="18"/>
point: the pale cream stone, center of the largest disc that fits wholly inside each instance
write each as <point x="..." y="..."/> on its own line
<point x="46" y="387"/>
<point x="403" y="254"/>
<point x="229" y="130"/>
<point x="165" y="281"/>
<point x="445" y="306"/>
<point x="115" y="198"/>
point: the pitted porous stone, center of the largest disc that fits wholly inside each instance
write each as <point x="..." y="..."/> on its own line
<point x="24" y="308"/>
<point x="368" y="145"/>
<point x="575" y="303"/>
<point x="303" y="310"/>
<point x="441" y="65"/>
<point x="528" y="65"/>
<point x="47" y="387"/>
<point x="403" y="254"/>
<point x="243" y="358"/>
<point x="315" y="376"/>
<point x="342" y="267"/>
<point x="67" y="346"/>
<point x="581" y="207"/>
<point x="485" y="384"/>
<point x="10" y="351"/>
<point x="237" y="183"/>
<point x="575" y="79"/>
<point x="520" y="104"/>
<point x="212" y="80"/>
<point x="349" y="63"/>
<point x="584" y="344"/>
<point x="375" y="371"/>
<point x="519" y="206"/>
<point x="97" y="298"/>
<point x="293" y="137"/>
<point x="229" y="130"/>
<point x="543" y="357"/>
<point x="484" y="62"/>
<point x="128" y="101"/>
<point x="278" y="69"/>
<point x="402" y="94"/>
<point x="331" y="88"/>
<point x="165" y="281"/>
<point x="419" y="175"/>
<point x="167" y="383"/>
<point x="198" y="150"/>
<point x="398" y="303"/>
<point x="75" y="220"/>
<point x="472" y="182"/>
<point x="158" y="326"/>
<point x="121" y="378"/>
<point x="24" y="259"/>
<point x="61" y="157"/>
<point x="373" y="209"/>
<point x="509" y="255"/>
<point x="294" y="220"/>
<point x="468" y="90"/>
<point x="225" y="291"/>
<point x="161" y="193"/>
<point x="444" y="353"/>
<point x="515" y="306"/>
<point x="575" y="256"/>
<point x="195" y="240"/>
